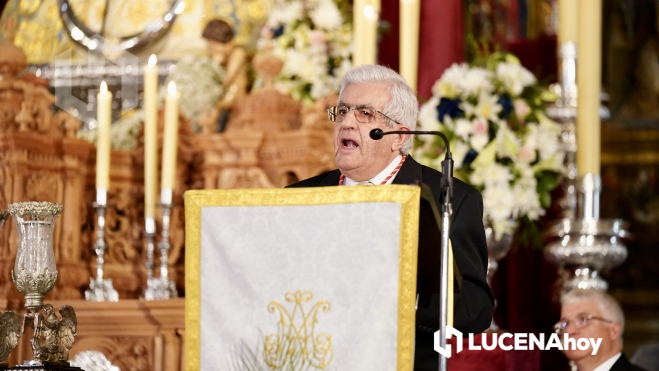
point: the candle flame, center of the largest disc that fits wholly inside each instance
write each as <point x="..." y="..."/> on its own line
<point x="153" y="60"/>
<point x="369" y="11"/>
<point x="104" y="87"/>
<point x="171" y="88"/>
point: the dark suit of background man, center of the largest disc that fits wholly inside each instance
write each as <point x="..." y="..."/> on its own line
<point x="372" y="97"/>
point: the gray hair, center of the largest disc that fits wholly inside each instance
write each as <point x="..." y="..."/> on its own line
<point x="609" y="307"/>
<point x="402" y="105"/>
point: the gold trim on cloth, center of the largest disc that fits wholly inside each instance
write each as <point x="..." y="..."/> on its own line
<point x="407" y="196"/>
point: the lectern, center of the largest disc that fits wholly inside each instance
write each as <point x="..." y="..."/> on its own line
<point x="314" y="278"/>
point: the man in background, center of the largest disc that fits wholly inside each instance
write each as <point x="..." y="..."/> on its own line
<point x="594" y="314"/>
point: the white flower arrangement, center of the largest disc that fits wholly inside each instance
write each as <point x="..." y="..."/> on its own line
<point x="502" y="142"/>
<point x="314" y="39"/>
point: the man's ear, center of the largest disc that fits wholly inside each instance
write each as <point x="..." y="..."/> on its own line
<point x="400" y="139"/>
<point x="615" y="331"/>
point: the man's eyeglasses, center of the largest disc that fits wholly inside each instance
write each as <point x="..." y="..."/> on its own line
<point x="580" y="322"/>
<point x="363" y="114"/>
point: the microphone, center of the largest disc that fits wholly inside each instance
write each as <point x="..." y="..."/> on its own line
<point x="446" y="184"/>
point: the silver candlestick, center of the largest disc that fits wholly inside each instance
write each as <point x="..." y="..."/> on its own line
<point x="152" y="288"/>
<point x="100" y="289"/>
<point x="169" y="287"/>
<point x="564" y="111"/>
<point x="159" y="288"/>
<point x="581" y="239"/>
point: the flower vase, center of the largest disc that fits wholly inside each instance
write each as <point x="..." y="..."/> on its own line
<point x="497" y="249"/>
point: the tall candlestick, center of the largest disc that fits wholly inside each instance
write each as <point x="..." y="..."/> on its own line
<point x="370" y="34"/>
<point x="150" y="136"/>
<point x="171" y="137"/>
<point x="104" y="118"/>
<point x="589" y="72"/>
<point x="409" y="40"/>
<point x="568" y="18"/>
<point x="358" y="32"/>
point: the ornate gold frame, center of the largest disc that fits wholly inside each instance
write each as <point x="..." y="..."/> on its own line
<point x="407" y="196"/>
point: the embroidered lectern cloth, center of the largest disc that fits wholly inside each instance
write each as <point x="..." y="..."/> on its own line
<point x="301" y="279"/>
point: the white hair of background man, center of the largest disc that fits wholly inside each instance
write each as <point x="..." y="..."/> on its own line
<point x="402" y="105"/>
<point x="609" y="307"/>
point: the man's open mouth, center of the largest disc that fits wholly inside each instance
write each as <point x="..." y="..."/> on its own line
<point x="347" y="143"/>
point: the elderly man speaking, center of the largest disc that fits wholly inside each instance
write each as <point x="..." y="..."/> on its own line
<point x="372" y="97"/>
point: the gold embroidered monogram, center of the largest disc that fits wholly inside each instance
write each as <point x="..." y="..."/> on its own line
<point x="296" y="344"/>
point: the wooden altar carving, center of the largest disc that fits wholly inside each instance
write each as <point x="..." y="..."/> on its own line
<point x="269" y="142"/>
<point x="38" y="162"/>
<point x="132" y="334"/>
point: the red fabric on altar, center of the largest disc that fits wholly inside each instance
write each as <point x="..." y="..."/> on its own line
<point x="492" y="360"/>
<point x="441" y="40"/>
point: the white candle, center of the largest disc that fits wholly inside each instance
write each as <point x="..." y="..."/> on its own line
<point x="104" y="118"/>
<point x="589" y="74"/>
<point x="568" y="11"/>
<point x="358" y="32"/>
<point x="409" y="40"/>
<point x="170" y="141"/>
<point x="370" y="34"/>
<point x="150" y="136"/>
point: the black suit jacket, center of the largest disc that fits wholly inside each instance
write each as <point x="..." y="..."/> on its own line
<point x="622" y="364"/>
<point x="474" y="304"/>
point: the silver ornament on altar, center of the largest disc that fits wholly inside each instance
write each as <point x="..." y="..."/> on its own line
<point x="9" y="321"/>
<point x="589" y="243"/>
<point x="9" y="334"/>
<point x="581" y="239"/>
<point x="100" y="288"/>
<point x="159" y="288"/>
<point x="34" y="275"/>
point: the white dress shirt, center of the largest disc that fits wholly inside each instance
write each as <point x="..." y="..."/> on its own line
<point x="606" y="365"/>
<point x="378" y="179"/>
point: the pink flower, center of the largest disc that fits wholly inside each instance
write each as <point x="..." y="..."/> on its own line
<point x="317" y="38"/>
<point x="526" y="154"/>
<point x="521" y="109"/>
<point x="480" y="126"/>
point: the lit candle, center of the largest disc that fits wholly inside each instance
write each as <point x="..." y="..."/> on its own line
<point x="589" y="73"/>
<point x="150" y="136"/>
<point x="409" y="40"/>
<point x="358" y="32"/>
<point x="370" y="34"/>
<point x="104" y="118"/>
<point x="170" y="141"/>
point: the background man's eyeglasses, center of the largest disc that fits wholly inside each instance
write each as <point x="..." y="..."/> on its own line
<point x="581" y="321"/>
<point x="363" y="114"/>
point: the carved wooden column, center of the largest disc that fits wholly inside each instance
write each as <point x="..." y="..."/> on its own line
<point x="208" y="161"/>
<point x="31" y="166"/>
<point x="73" y="270"/>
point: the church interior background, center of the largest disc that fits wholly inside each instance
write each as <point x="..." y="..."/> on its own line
<point x="252" y="115"/>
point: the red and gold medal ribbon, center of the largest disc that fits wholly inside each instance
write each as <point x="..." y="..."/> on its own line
<point x="342" y="177"/>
